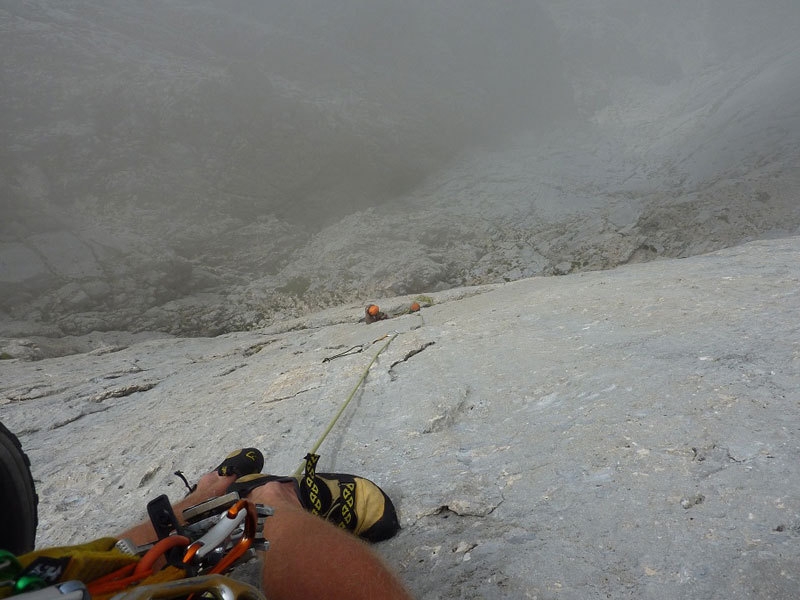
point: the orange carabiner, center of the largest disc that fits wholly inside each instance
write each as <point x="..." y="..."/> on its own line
<point x="243" y="510"/>
<point x="217" y="535"/>
<point x="250" y="523"/>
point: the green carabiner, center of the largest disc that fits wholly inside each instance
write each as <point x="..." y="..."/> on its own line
<point x="11" y="575"/>
<point x="28" y="583"/>
<point x="9" y="568"/>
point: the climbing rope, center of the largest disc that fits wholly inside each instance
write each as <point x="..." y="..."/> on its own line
<point x="328" y="429"/>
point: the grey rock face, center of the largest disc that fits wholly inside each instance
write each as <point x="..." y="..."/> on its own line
<point x="626" y="433"/>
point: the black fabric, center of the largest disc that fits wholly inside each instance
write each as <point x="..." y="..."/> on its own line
<point x="244" y="485"/>
<point x="49" y="569"/>
<point x="162" y="516"/>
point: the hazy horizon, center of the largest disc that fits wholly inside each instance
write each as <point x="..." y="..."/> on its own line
<point x="175" y="128"/>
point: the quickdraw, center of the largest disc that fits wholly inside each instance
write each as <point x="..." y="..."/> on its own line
<point x="242" y="511"/>
<point x="214" y="552"/>
<point x="348" y="352"/>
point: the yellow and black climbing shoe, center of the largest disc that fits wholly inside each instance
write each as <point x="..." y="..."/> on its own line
<point x="242" y="462"/>
<point x="350" y="502"/>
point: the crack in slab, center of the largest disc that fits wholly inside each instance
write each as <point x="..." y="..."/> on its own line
<point x="290" y="396"/>
<point x="230" y="370"/>
<point x="83" y="413"/>
<point x="449" y="413"/>
<point x="117" y="374"/>
<point x="123" y="391"/>
<point x="35" y="393"/>
<point x="459" y="510"/>
<point x="406" y="357"/>
<point x="256" y="348"/>
<point x="446" y="419"/>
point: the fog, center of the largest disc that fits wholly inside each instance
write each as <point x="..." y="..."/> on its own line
<point x="302" y="110"/>
<point x="196" y="167"/>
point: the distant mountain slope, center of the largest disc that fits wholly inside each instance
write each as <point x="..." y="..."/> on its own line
<point x="190" y="168"/>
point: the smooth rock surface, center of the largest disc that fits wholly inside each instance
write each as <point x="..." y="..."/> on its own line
<point x="632" y="433"/>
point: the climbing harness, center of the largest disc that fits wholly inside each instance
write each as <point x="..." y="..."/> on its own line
<point x="218" y="535"/>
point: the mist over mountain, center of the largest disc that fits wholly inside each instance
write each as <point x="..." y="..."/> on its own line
<point x="200" y="167"/>
<point x="305" y="111"/>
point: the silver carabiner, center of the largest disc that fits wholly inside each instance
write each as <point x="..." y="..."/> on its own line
<point x="215" y="536"/>
<point x="69" y="590"/>
<point x="222" y="588"/>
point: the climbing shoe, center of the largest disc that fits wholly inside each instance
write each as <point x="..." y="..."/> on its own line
<point x="353" y="503"/>
<point x="350" y="502"/>
<point x="245" y="461"/>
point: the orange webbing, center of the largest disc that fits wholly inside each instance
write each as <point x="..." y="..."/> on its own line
<point x="165" y="574"/>
<point x="140" y="572"/>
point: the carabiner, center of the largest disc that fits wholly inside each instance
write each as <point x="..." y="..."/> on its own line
<point x="218" y="586"/>
<point x="243" y="510"/>
<point x="10" y="568"/>
<point x="69" y="590"/>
